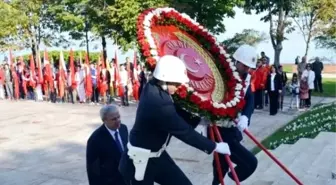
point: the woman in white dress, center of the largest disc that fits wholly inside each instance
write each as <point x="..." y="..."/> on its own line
<point x="38" y="88"/>
<point x="80" y="77"/>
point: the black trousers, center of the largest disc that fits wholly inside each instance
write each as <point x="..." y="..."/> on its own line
<point x="124" y="98"/>
<point x="274" y="102"/>
<point x="95" y="94"/>
<point x="162" y="170"/>
<point x="258" y="99"/>
<point x="318" y="83"/>
<point x="246" y="162"/>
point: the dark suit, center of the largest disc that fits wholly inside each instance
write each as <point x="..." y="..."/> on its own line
<point x="245" y="161"/>
<point x="274" y="94"/>
<point x="103" y="156"/>
<point x="156" y="120"/>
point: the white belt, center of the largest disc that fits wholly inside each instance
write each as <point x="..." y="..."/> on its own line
<point x="151" y="154"/>
<point x="140" y="157"/>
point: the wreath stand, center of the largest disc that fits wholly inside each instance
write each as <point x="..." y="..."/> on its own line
<point x="148" y="35"/>
<point x="214" y="130"/>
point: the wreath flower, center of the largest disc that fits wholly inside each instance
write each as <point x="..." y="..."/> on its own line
<point x="185" y="95"/>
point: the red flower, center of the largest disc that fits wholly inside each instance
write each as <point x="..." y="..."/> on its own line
<point x="195" y="99"/>
<point x="182" y="91"/>
<point x="231" y="112"/>
<point x="206" y="105"/>
<point x="146" y="53"/>
<point x="151" y="61"/>
<point x="214" y="49"/>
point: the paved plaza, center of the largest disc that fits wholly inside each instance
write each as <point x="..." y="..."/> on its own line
<point x="44" y="144"/>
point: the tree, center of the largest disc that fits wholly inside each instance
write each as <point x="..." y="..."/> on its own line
<point x="247" y="36"/>
<point x="278" y="12"/>
<point x="29" y="25"/>
<point x="312" y="17"/>
<point x="122" y="15"/>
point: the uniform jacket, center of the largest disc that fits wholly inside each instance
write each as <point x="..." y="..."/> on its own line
<point x="233" y="134"/>
<point x="102" y="157"/>
<point x="158" y="117"/>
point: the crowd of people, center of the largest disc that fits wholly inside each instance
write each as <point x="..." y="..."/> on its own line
<point x="94" y="84"/>
<point x="270" y="84"/>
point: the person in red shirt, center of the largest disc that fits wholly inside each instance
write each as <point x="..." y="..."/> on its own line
<point x="259" y="84"/>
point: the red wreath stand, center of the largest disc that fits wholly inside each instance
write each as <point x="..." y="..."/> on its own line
<point x="214" y="131"/>
<point x="166" y="31"/>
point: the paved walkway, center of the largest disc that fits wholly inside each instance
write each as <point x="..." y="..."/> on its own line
<point x="44" y="143"/>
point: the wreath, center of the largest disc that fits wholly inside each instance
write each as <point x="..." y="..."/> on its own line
<point x="186" y="95"/>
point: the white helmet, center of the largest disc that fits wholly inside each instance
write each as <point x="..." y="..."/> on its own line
<point x="171" y="69"/>
<point x="247" y="55"/>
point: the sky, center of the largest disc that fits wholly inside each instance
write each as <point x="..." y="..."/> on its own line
<point x="292" y="47"/>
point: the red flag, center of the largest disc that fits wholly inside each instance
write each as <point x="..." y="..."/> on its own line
<point x="14" y="75"/>
<point x="72" y="70"/>
<point x="136" y="84"/>
<point x="117" y="77"/>
<point x="48" y="75"/>
<point x="61" y="75"/>
<point x="32" y="82"/>
<point x="88" y="80"/>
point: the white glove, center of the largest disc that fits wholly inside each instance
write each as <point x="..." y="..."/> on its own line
<point x="223" y="148"/>
<point x="242" y="123"/>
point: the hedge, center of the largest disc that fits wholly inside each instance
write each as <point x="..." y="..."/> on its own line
<point x="54" y="56"/>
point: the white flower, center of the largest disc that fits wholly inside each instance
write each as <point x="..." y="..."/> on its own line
<point x="216" y="105"/>
<point x="190" y="88"/>
<point x="237" y="93"/>
<point x="234" y="68"/>
<point x="228" y="104"/>
<point x="227" y="55"/>
<point x="236" y="99"/>
<point x="239" y="86"/>
<point x="222" y="51"/>
<point x="236" y="75"/>
<point x="153" y="52"/>
<point x="201" y="27"/>
<point x="229" y="60"/>
<point x="233" y="102"/>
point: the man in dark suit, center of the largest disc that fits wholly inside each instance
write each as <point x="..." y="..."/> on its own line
<point x="104" y="149"/>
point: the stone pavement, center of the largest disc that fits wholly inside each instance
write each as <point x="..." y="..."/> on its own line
<point x="44" y="144"/>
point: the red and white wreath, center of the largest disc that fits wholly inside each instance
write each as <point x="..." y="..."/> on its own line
<point x="190" y="99"/>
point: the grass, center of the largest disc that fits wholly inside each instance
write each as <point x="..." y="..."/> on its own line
<point x="287" y="68"/>
<point x="309" y="124"/>
<point x="329" y="88"/>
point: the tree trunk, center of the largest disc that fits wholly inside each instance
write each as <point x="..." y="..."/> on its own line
<point x="277" y="53"/>
<point x="104" y="49"/>
<point x="87" y="43"/>
<point x="307" y="45"/>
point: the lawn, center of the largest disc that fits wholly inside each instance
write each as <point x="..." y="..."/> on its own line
<point x="329" y="88"/>
<point x="308" y="125"/>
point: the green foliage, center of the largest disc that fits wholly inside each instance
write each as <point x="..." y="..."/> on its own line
<point x="309" y="124"/>
<point x="54" y="56"/>
<point x="247" y="36"/>
<point x="313" y="18"/>
<point x="325" y="41"/>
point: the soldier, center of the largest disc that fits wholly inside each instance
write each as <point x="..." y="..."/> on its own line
<point x="157" y="119"/>
<point x="246" y="163"/>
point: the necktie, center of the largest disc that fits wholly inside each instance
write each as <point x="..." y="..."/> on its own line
<point x="116" y="138"/>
